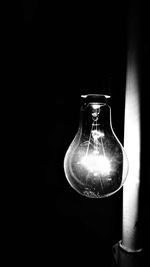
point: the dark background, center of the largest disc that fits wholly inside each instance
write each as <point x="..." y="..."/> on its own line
<point x="70" y="49"/>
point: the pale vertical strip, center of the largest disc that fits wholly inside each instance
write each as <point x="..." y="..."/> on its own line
<point x="132" y="147"/>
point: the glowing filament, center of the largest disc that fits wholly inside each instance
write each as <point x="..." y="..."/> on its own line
<point x="97" y="134"/>
<point x="96" y="106"/>
<point x="96" y="164"/>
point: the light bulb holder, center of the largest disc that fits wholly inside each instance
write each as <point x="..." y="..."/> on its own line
<point x="125" y="257"/>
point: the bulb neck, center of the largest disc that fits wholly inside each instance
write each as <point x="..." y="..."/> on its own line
<point x="95" y="114"/>
<point x="95" y="98"/>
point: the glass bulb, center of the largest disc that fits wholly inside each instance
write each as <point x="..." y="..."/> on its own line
<point x="95" y="163"/>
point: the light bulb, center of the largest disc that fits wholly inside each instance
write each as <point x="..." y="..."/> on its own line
<point x="95" y="163"/>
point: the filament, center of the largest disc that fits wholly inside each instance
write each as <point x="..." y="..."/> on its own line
<point x="95" y="160"/>
<point x="102" y="146"/>
<point x="88" y="144"/>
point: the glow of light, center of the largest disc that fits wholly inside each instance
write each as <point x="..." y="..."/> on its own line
<point x="97" y="134"/>
<point x="95" y="106"/>
<point x="97" y="164"/>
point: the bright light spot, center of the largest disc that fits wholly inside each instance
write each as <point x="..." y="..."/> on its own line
<point x="96" y="164"/>
<point x="95" y="106"/>
<point x="97" y="134"/>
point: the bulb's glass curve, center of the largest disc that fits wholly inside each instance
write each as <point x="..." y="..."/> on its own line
<point x="95" y="163"/>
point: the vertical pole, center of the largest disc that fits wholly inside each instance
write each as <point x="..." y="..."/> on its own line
<point x="127" y="252"/>
<point x="132" y="139"/>
<point x="132" y="146"/>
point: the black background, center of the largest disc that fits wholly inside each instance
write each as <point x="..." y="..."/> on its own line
<point x="70" y="49"/>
